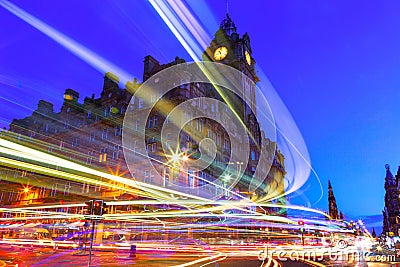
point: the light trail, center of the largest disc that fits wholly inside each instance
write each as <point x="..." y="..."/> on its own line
<point x="184" y="22"/>
<point x="96" y="61"/>
<point x="221" y="205"/>
<point x="38" y="156"/>
<point x="210" y="258"/>
<point x="288" y="223"/>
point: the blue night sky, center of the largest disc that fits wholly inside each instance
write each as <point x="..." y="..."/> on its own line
<point x="335" y="64"/>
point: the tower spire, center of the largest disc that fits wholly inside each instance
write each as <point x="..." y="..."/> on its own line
<point x="389" y="178"/>
<point x="333" y="210"/>
<point x="389" y="174"/>
<point x="228" y="26"/>
<point x="227" y="6"/>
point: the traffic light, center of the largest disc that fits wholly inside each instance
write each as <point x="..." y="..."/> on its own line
<point x="99" y="207"/>
<point x="301" y="223"/>
<point x="89" y="207"/>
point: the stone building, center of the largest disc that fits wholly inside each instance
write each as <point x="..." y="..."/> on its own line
<point x="333" y="209"/>
<point x="90" y="132"/>
<point x="391" y="210"/>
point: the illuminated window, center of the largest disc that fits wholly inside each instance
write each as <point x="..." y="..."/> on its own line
<point x="103" y="155"/>
<point x="68" y="97"/>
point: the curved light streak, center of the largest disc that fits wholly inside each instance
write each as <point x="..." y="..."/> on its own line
<point x="93" y="59"/>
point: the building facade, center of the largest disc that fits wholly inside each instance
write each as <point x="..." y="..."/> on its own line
<point x="333" y="209"/>
<point x="391" y="210"/>
<point x="90" y="133"/>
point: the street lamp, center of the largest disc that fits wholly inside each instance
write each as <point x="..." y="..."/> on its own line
<point x="177" y="159"/>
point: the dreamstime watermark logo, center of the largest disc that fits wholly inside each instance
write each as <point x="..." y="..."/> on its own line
<point x="325" y="254"/>
<point x="211" y="106"/>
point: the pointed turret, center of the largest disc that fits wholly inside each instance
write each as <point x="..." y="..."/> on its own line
<point x="398" y="178"/>
<point x="389" y="174"/>
<point x="373" y="232"/>
<point x="333" y="210"/>
<point x="389" y="179"/>
<point x="228" y="26"/>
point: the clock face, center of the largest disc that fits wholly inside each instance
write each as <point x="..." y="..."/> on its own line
<point x="220" y="53"/>
<point x="248" y="58"/>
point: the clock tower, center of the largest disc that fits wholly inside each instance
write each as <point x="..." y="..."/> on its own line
<point x="229" y="48"/>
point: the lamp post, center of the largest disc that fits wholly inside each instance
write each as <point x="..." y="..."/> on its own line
<point x="301" y="223"/>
